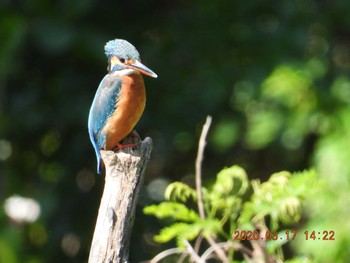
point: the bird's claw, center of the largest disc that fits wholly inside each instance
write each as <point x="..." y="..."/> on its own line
<point x="120" y="146"/>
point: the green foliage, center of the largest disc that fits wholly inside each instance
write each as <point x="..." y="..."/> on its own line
<point x="183" y="231"/>
<point x="172" y="210"/>
<point x="225" y="135"/>
<point x="279" y="198"/>
<point x="289" y="89"/>
<point x="179" y="191"/>
<point x="230" y="181"/>
<point x="229" y="203"/>
<point x="329" y="210"/>
<point x="225" y="198"/>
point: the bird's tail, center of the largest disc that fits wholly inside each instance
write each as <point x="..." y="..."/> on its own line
<point x="100" y="164"/>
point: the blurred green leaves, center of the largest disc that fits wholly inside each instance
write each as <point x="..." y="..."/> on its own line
<point x="290" y="87"/>
<point x="285" y="108"/>
<point x="12" y="33"/>
<point x="263" y="126"/>
<point x="225" y="135"/>
<point x="340" y="89"/>
<point x="329" y="211"/>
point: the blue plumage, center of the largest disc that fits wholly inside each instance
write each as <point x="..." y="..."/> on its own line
<point x="122" y="49"/>
<point x="103" y="106"/>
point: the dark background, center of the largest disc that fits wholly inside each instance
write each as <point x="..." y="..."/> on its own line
<point x="274" y="75"/>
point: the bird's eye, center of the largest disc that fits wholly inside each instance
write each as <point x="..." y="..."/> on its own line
<point x="122" y="60"/>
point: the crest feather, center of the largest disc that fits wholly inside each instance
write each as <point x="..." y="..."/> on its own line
<point x="121" y="48"/>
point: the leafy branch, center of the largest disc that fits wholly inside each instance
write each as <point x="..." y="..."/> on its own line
<point x="228" y="210"/>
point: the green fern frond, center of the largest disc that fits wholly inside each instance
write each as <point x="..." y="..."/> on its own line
<point x="209" y="227"/>
<point x="178" y="191"/>
<point x="224" y="200"/>
<point x="231" y="181"/>
<point x="178" y="231"/>
<point x="172" y="210"/>
<point x="305" y="183"/>
<point x="228" y="207"/>
<point x="171" y="232"/>
<point x="279" y="198"/>
<point x="183" y="231"/>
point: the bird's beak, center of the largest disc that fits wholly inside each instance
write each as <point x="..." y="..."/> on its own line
<point x="137" y="65"/>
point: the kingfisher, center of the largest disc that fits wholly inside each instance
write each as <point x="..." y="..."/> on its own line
<point x="120" y="99"/>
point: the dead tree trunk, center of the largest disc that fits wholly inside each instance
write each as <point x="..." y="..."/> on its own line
<point x="123" y="180"/>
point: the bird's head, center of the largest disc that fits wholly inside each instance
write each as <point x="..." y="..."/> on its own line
<point x="123" y="55"/>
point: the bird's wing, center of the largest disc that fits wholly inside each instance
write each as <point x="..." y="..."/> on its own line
<point x="102" y="107"/>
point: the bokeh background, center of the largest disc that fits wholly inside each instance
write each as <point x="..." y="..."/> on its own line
<point x="274" y="75"/>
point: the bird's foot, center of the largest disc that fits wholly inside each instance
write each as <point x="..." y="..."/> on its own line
<point x="120" y="146"/>
<point x="132" y="140"/>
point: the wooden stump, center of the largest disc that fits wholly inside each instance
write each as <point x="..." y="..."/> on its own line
<point x="123" y="181"/>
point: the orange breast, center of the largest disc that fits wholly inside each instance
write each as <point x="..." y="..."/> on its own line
<point x="130" y="106"/>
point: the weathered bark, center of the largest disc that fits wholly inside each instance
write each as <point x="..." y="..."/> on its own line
<point x="123" y="180"/>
